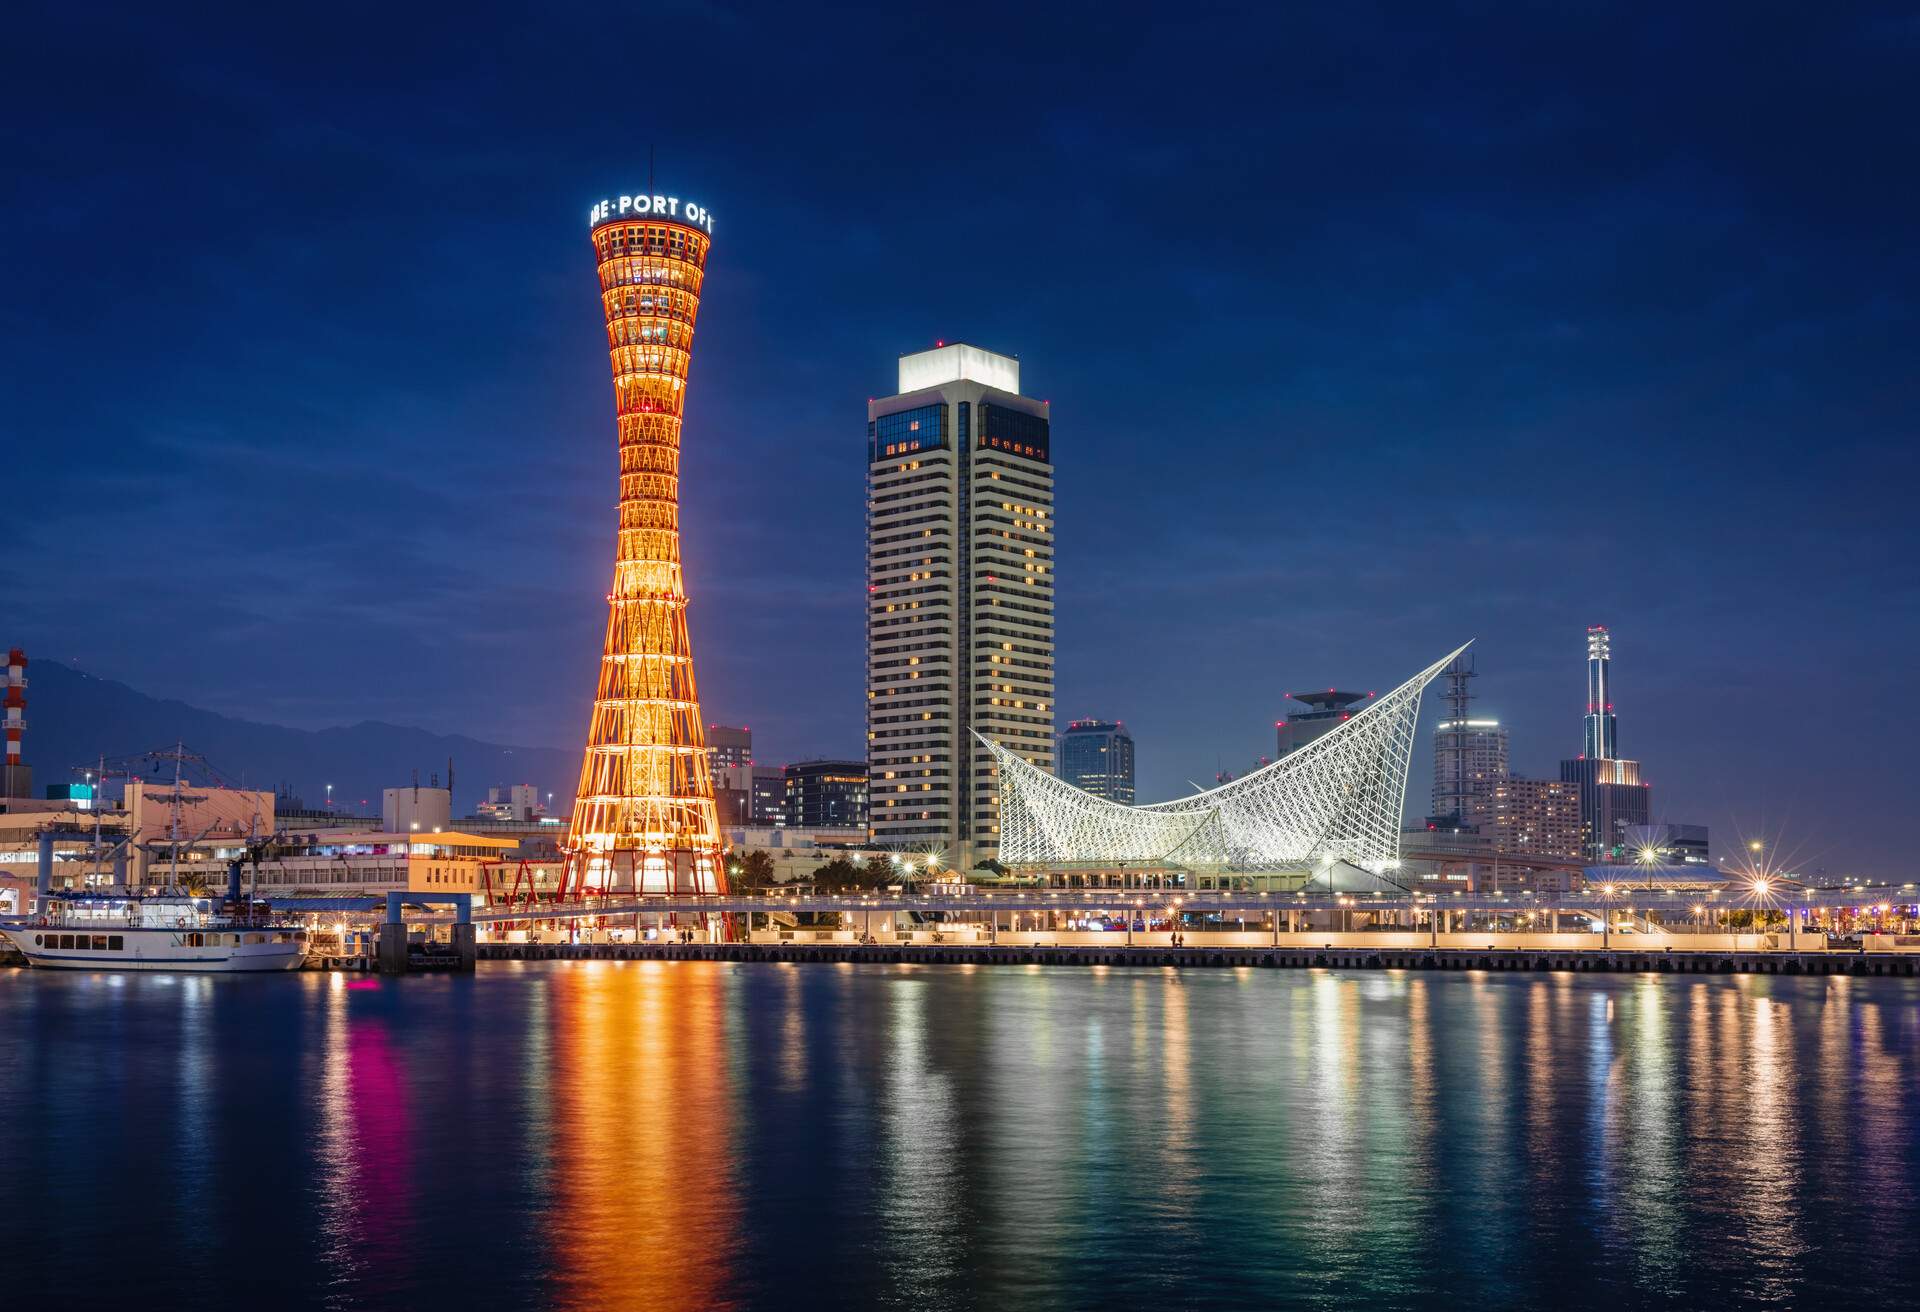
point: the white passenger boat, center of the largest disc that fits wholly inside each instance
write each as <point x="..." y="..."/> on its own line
<point x="169" y="932"/>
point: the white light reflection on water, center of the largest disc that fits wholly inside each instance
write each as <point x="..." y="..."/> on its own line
<point x="1643" y="1135"/>
<point x="921" y="1151"/>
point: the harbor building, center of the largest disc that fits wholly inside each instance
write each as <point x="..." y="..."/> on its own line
<point x="1324" y="817"/>
<point x="1096" y="756"/>
<point x="960" y="637"/>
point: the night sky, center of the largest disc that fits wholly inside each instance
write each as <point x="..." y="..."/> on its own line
<point x="1367" y="331"/>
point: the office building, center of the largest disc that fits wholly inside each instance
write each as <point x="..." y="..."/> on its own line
<point x="1327" y="711"/>
<point x="826" y="795"/>
<point x="728" y="747"/>
<point x="959" y="598"/>
<point x="767" y="795"/>
<point x="1096" y="756"/>
<point x="730" y="751"/>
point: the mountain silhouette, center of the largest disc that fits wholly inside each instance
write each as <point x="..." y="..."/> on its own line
<point x="74" y="718"/>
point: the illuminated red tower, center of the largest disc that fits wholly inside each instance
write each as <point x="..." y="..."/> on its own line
<point x="644" y="820"/>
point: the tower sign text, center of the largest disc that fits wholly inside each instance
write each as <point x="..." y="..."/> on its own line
<point x="662" y="207"/>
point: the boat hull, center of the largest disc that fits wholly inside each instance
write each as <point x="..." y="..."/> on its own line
<point x="160" y="949"/>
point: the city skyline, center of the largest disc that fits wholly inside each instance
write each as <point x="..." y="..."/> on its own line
<point x="1712" y="323"/>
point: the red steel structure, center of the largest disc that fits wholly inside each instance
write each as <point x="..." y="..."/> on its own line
<point x="644" y="820"/>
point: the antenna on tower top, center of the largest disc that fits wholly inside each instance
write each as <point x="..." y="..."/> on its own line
<point x="649" y="168"/>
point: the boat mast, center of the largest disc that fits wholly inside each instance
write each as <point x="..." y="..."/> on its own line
<point x="173" y="817"/>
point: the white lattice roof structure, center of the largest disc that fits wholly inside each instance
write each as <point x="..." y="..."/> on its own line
<point x="1338" y="798"/>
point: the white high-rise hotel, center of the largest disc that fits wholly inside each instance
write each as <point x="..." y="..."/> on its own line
<point x="959" y="597"/>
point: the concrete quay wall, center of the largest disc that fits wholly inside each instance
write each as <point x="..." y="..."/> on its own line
<point x="1351" y="958"/>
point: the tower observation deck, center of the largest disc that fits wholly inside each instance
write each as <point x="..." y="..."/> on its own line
<point x="644" y="820"/>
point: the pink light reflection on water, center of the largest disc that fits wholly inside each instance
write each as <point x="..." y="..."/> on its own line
<point x="366" y="1189"/>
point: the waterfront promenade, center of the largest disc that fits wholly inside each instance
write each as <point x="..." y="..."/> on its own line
<point x="1351" y="952"/>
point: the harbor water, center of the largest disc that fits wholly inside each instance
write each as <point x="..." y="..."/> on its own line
<point x="697" y="1134"/>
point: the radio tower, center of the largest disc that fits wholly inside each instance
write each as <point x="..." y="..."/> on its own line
<point x="644" y="821"/>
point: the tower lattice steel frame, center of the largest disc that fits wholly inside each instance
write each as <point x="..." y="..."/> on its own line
<point x="644" y="819"/>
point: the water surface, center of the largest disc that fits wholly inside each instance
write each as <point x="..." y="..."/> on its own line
<point x="691" y="1135"/>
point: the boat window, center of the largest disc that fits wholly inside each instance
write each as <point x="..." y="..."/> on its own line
<point x="116" y="943"/>
<point x="99" y="942"/>
<point x="66" y="940"/>
<point x="193" y="940"/>
<point x="236" y="940"/>
<point x="39" y="940"/>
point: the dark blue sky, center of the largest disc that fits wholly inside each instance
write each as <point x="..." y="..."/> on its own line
<point x="1367" y="330"/>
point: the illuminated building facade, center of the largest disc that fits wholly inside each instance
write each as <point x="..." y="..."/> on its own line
<point x="1336" y="801"/>
<point x="645" y="819"/>
<point x="959" y="598"/>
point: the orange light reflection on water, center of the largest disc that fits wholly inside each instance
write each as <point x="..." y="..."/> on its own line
<point x="645" y="1212"/>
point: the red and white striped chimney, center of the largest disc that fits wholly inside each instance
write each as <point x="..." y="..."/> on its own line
<point x="16" y="702"/>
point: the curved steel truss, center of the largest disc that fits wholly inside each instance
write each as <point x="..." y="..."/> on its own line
<point x="1338" y="798"/>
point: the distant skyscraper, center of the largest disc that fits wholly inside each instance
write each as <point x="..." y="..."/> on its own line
<point x="827" y="795"/>
<point x="1097" y="755"/>
<point x="1469" y="754"/>
<point x="1612" y="796"/>
<point x="959" y="597"/>
<point x="1330" y="709"/>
